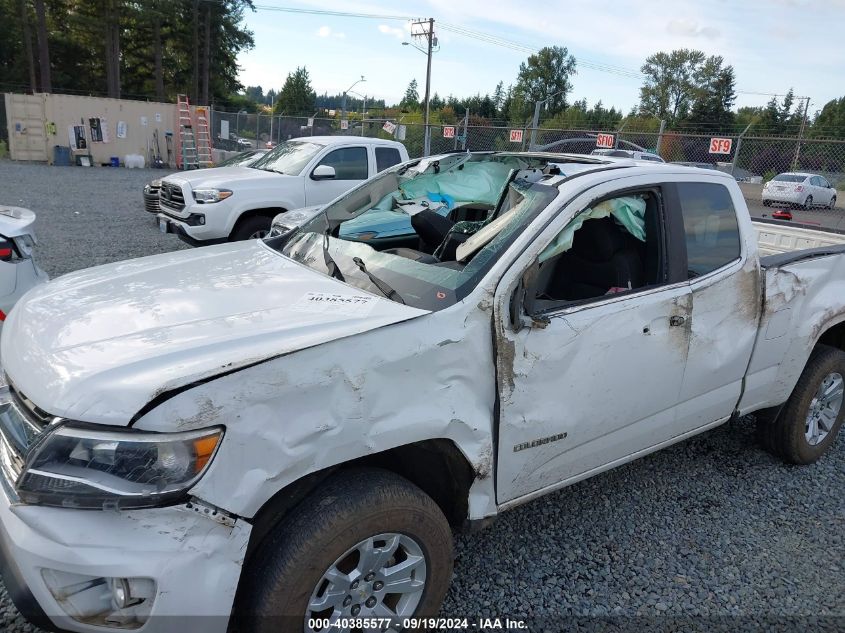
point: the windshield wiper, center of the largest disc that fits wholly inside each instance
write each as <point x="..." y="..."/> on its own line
<point x="331" y="267"/>
<point x="386" y="290"/>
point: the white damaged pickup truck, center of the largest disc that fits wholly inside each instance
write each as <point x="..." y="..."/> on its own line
<point x="280" y="434"/>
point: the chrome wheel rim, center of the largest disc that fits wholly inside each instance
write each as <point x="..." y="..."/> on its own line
<point x="260" y="235"/>
<point x="824" y="408"/>
<point x="808" y="202"/>
<point x="380" y="577"/>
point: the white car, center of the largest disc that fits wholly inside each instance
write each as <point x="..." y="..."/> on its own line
<point x="799" y="189"/>
<point x="285" y="431"/>
<point x="208" y="206"/>
<point x="18" y="272"/>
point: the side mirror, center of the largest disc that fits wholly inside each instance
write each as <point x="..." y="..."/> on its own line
<point x="323" y="172"/>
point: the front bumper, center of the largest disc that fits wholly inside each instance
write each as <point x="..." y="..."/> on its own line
<point x="194" y="561"/>
<point x="190" y="234"/>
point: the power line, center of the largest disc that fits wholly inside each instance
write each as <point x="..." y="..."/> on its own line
<point x="485" y="37"/>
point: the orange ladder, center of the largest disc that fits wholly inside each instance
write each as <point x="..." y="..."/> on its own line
<point x="186" y="145"/>
<point x="203" y="138"/>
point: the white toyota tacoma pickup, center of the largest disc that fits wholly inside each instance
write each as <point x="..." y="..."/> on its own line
<point x="209" y="206"/>
<point x="281" y="433"/>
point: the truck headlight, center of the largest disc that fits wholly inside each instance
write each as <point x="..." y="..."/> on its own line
<point x="86" y="467"/>
<point x="209" y="196"/>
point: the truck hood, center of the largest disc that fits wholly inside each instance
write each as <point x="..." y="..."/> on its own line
<point x="99" y="344"/>
<point x="225" y="176"/>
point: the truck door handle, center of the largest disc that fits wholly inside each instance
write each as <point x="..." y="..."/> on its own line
<point x="676" y="320"/>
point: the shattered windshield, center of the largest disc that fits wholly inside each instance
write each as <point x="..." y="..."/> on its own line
<point x="424" y="235"/>
<point x="288" y="158"/>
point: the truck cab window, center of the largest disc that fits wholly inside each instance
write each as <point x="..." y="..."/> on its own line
<point x="350" y="163"/>
<point x="387" y="157"/>
<point x="712" y="232"/>
<point x="617" y="248"/>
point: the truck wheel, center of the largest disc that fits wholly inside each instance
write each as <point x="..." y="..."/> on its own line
<point x="367" y="544"/>
<point x="811" y="418"/>
<point x="254" y="228"/>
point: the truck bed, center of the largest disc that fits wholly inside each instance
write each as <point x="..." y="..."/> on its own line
<point x="778" y="238"/>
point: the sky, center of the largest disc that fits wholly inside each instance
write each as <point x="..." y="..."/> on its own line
<point x="772" y="44"/>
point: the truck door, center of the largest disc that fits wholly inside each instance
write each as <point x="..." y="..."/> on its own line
<point x="351" y="166"/>
<point x="597" y="377"/>
<point x="724" y="278"/>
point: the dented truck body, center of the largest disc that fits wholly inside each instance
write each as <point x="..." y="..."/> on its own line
<point x="300" y="373"/>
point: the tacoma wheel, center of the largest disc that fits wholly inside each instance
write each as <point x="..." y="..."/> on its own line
<point x="367" y="544"/>
<point x="810" y="419"/>
<point x="255" y="228"/>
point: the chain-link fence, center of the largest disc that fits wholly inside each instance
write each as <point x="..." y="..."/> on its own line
<point x="751" y="159"/>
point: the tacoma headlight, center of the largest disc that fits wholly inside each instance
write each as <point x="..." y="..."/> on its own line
<point x="84" y="467"/>
<point x="208" y="196"/>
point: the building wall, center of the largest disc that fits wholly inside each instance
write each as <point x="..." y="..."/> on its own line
<point x="61" y="111"/>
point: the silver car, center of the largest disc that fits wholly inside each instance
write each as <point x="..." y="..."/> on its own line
<point x="799" y="189"/>
<point x="18" y="272"/>
<point x="628" y="153"/>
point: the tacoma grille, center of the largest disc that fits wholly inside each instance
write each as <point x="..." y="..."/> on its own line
<point x="171" y="196"/>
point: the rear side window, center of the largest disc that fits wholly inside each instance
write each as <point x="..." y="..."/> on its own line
<point x="350" y="163"/>
<point x="387" y="157"/>
<point x="712" y="232"/>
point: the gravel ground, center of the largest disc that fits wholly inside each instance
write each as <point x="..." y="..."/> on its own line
<point x="85" y="217"/>
<point x="712" y="528"/>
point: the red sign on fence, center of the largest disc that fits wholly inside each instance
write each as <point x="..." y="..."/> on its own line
<point x="516" y="136"/>
<point x="448" y="132"/>
<point x="721" y="145"/>
<point x="604" y="141"/>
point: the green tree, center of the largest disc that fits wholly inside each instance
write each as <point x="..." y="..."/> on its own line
<point x="297" y="96"/>
<point x="715" y="94"/>
<point x="255" y="94"/>
<point x="779" y="118"/>
<point x="544" y="75"/>
<point x="670" y="89"/>
<point x="411" y="100"/>
<point x="499" y="96"/>
<point x="830" y="122"/>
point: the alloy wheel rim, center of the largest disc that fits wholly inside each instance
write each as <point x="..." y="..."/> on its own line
<point x="382" y="576"/>
<point x="824" y="408"/>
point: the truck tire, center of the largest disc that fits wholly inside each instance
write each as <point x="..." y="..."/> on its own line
<point x="252" y="228"/>
<point x="342" y="549"/>
<point x="811" y="418"/>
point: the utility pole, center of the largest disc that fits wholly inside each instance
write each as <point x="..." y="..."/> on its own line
<point x="618" y="132"/>
<point x="535" y="122"/>
<point x="660" y="136"/>
<point x="429" y="34"/>
<point x="343" y="101"/>
<point x="738" y="146"/>
<point x="271" y="117"/>
<point x="801" y="134"/>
